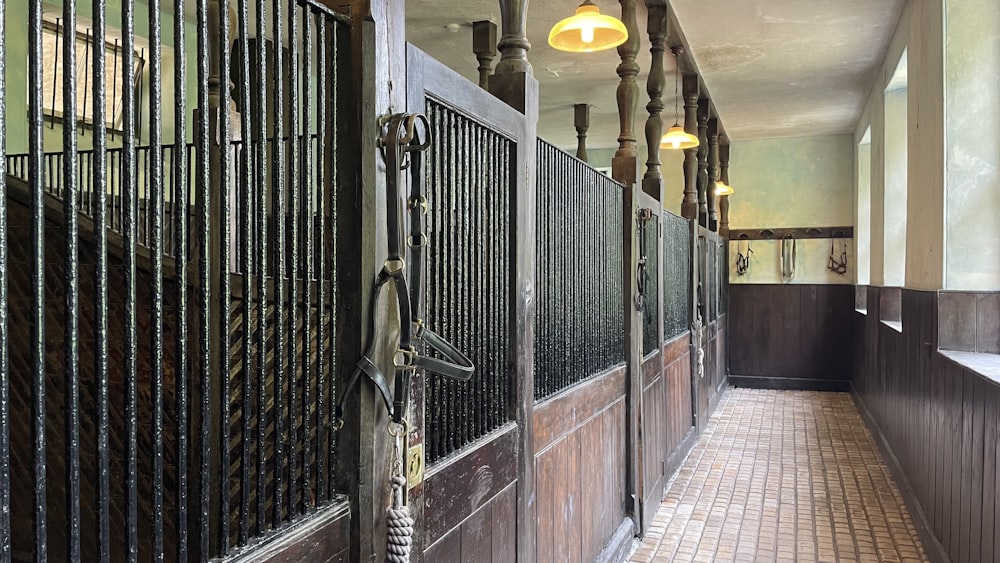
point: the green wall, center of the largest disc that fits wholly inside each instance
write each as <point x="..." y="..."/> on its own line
<point x="792" y="182"/>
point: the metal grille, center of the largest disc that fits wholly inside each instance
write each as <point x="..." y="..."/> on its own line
<point x="651" y="302"/>
<point x="166" y="310"/>
<point x="469" y="181"/>
<point x="712" y="274"/>
<point x="579" y="317"/>
<point x="722" y="263"/>
<point x="676" y="276"/>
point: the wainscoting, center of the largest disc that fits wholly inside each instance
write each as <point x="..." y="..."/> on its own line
<point x="791" y="336"/>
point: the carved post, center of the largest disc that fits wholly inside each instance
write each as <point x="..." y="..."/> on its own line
<point x="724" y="200"/>
<point x="703" y="162"/>
<point x="624" y="165"/>
<point x="581" y="120"/>
<point x="656" y="25"/>
<point x="513" y="44"/>
<point x="689" y="206"/>
<point x="713" y="172"/>
<point x="484" y="45"/>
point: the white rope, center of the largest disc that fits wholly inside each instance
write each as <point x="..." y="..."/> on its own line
<point x="399" y="538"/>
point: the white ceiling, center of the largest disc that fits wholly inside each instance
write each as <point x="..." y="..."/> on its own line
<point x="774" y="68"/>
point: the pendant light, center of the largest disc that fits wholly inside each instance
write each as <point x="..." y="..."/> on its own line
<point x="677" y="138"/>
<point x="721" y="189"/>
<point x="587" y="31"/>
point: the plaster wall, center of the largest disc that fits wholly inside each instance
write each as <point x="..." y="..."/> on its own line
<point x="792" y="182"/>
<point x="895" y="188"/>
<point x="972" y="80"/>
<point x="671" y="167"/>
<point x="863" y="220"/>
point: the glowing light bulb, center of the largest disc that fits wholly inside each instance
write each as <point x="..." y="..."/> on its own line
<point x="676" y="143"/>
<point x="587" y="34"/>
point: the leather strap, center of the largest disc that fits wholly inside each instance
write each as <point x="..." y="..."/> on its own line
<point x="406" y="136"/>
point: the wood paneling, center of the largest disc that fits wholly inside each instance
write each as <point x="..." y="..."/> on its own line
<point x="939" y="421"/>
<point x="791" y="331"/>
<point x="322" y="538"/>
<point x="580" y="469"/>
<point x="488" y="534"/>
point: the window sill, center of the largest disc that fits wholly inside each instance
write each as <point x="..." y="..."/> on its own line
<point x="861" y="311"/>
<point x="894" y="325"/>
<point x="986" y="365"/>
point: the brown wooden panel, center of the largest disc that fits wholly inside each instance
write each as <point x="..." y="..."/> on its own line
<point x="565" y="493"/>
<point x="505" y="526"/>
<point x="559" y="415"/>
<point x="477" y="536"/>
<point x="323" y="538"/>
<point x="457" y="488"/>
<point x="976" y="486"/>
<point x="990" y="399"/>
<point x="447" y="548"/>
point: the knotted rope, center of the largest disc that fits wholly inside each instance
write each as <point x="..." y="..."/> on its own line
<point x="399" y="539"/>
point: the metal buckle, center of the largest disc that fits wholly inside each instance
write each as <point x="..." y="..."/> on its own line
<point x="422" y="241"/>
<point x="418" y="328"/>
<point x="404" y="358"/>
<point x="394" y="265"/>
<point x="422" y="202"/>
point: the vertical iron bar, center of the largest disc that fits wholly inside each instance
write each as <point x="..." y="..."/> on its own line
<point x="261" y="165"/>
<point x="114" y="84"/>
<point x="129" y="187"/>
<point x="154" y="208"/>
<point x="204" y="287"/>
<point x="70" y="280"/>
<point x="37" y="179"/>
<point x="332" y="194"/>
<point x="321" y="183"/>
<point x="246" y="225"/>
<point x="86" y="80"/>
<point x="307" y="255"/>
<point x="278" y="220"/>
<point x="225" y="333"/>
<point x="55" y="70"/>
<point x="181" y="198"/>
<point x="293" y="363"/>
<point x="5" y="533"/>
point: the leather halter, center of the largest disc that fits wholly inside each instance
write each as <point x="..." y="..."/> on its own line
<point x="404" y="137"/>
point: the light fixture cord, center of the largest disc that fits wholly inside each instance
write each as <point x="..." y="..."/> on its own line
<point x="677" y="68"/>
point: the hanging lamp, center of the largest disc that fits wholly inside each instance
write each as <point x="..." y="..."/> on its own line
<point x="721" y="188"/>
<point x="677" y="138"/>
<point x="587" y="31"/>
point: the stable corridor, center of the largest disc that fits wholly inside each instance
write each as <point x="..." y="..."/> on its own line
<point x="783" y="476"/>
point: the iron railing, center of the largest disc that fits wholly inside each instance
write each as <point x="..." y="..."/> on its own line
<point x="676" y="276"/>
<point x="171" y="413"/>
<point x="467" y="288"/>
<point x="579" y="315"/>
<point x="649" y="249"/>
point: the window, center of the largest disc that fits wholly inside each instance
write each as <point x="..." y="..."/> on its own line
<point x="53" y="35"/>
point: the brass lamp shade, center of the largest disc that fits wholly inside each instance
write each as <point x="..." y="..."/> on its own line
<point x="678" y="139"/>
<point x="588" y="31"/>
<point x="722" y="189"/>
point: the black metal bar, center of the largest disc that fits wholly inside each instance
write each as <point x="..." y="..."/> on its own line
<point x="278" y="178"/>
<point x="86" y="80"/>
<point x="294" y="276"/>
<point x="180" y="199"/>
<point x="261" y="165"/>
<point x="204" y="287"/>
<point x="37" y="179"/>
<point x="5" y="532"/>
<point x="71" y="325"/>
<point x="129" y="228"/>
<point x="55" y="69"/>
<point x="245" y="231"/>
<point x="307" y="254"/>
<point x="226" y="147"/>
<point x="321" y="179"/>
<point x="154" y="208"/>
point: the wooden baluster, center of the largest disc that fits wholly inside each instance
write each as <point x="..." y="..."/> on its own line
<point x="656" y="26"/>
<point x="713" y="172"/>
<point x="624" y="165"/>
<point x="513" y="44"/>
<point x="689" y="206"/>
<point x="724" y="200"/>
<point x="581" y="120"/>
<point x="703" y="162"/>
<point x="484" y="45"/>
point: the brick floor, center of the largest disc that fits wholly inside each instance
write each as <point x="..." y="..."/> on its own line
<point x="783" y="476"/>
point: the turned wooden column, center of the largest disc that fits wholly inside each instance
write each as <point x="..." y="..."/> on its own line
<point x="656" y="26"/>
<point x="581" y="121"/>
<point x="513" y="43"/>
<point x="624" y="165"/>
<point x="689" y="206"/>
<point x="703" y="162"/>
<point x="713" y="172"/>
<point x="484" y="45"/>
<point x="724" y="200"/>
